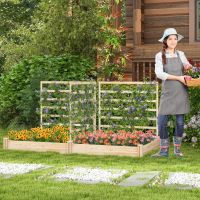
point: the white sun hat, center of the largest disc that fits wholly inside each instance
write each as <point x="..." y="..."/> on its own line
<point x="170" y="31"/>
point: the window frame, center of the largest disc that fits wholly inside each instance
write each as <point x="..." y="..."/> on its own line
<point x="197" y="20"/>
<point x="193" y="22"/>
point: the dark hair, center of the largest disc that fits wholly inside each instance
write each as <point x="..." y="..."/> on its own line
<point x="164" y="60"/>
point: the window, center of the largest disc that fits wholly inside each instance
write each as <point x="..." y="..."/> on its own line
<point x="197" y="20"/>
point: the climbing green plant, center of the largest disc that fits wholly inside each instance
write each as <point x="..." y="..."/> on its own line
<point x="111" y="60"/>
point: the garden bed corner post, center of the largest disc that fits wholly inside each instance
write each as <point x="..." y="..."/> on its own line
<point x="5" y="143"/>
<point x="140" y="150"/>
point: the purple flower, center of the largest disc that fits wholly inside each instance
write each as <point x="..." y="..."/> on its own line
<point x="46" y="110"/>
<point x="131" y="109"/>
<point x="109" y="114"/>
<point x="116" y="88"/>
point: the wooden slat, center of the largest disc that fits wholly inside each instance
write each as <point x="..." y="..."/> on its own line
<point x="150" y="67"/>
<point x="161" y="1"/>
<point x="129" y="11"/>
<point x="129" y="2"/>
<point x="166" y="21"/>
<point x="157" y="32"/>
<point x="171" y="11"/>
<point x="155" y="40"/>
<point x="137" y="72"/>
<point x="129" y="22"/>
<point x="167" y="5"/>
<point x="148" y="51"/>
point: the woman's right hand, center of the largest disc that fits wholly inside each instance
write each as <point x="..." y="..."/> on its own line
<point x="182" y="79"/>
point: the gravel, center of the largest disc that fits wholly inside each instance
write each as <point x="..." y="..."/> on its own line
<point x="182" y="178"/>
<point x="95" y="175"/>
<point x="14" y="168"/>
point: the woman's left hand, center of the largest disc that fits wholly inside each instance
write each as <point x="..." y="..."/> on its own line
<point x="187" y="67"/>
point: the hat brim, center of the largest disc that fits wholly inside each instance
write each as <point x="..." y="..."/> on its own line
<point x="179" y="37"/>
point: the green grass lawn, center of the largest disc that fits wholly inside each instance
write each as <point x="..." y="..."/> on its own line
<point x="38" y="184"/>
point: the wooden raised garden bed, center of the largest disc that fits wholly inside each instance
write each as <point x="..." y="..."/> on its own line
<point x="133" y="151"/>
<point x="70" y="147"/>
<point x="62" y="148"/>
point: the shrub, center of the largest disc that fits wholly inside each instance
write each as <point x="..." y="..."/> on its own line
<point x="19" y="89"/>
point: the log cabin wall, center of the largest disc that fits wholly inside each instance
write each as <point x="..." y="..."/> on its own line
<point x="146" y="20"/>
<point x="159" y="14"/>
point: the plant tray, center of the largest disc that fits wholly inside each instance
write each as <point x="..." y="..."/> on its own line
<point x="193" y="82"/>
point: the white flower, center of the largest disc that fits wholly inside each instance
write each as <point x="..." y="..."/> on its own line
<point x="184" y="135"/>
<point x="194" y="121"/>
<point x="185" y="126"/>
<point x="194" y="139"/>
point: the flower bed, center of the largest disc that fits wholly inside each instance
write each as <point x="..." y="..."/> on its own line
<point x="120" y="143"/>
<point x="56" y="139"/>
<point x="119" y="138"/>
<point x="54" y="134"/>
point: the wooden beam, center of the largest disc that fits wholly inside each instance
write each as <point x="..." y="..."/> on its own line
<point x="137" y="16"/>
<point x="192" y="22"/>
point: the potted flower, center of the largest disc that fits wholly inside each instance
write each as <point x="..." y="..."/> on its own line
<point x="192" y="74"/>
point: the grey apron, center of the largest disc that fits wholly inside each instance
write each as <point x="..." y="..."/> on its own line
<point x="174" y="96"/>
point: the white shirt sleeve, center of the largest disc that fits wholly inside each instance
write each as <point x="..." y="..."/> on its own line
<point x="159" y="67"/>
<point x="183" y="58"/>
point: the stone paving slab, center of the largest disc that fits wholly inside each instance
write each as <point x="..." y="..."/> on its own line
<point x="182" y="180"/>
<point x="8" y="169"/>
<point x="139" y="179"/>
<point x="90" y="175"/>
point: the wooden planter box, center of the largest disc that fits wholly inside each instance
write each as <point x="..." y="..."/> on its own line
<point x="193" y="82"/>
<point x="70" y="147"/>
<point x="137" y="151"/>
<point x="63" y="148"/>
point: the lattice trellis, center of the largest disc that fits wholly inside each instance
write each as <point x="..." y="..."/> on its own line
<point x="82" y="105"/>
<point x="70" y="103"/>
<point x="129" y="96"/>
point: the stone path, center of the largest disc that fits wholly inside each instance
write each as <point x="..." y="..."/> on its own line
<point x="178" y="180"/>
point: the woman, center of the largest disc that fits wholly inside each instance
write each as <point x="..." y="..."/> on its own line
<point x="169" y="67"/>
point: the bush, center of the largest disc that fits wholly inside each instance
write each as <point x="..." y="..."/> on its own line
<point x="19" y="88"/>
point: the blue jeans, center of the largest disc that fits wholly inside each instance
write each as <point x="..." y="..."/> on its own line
<point x="162" y="126"/>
